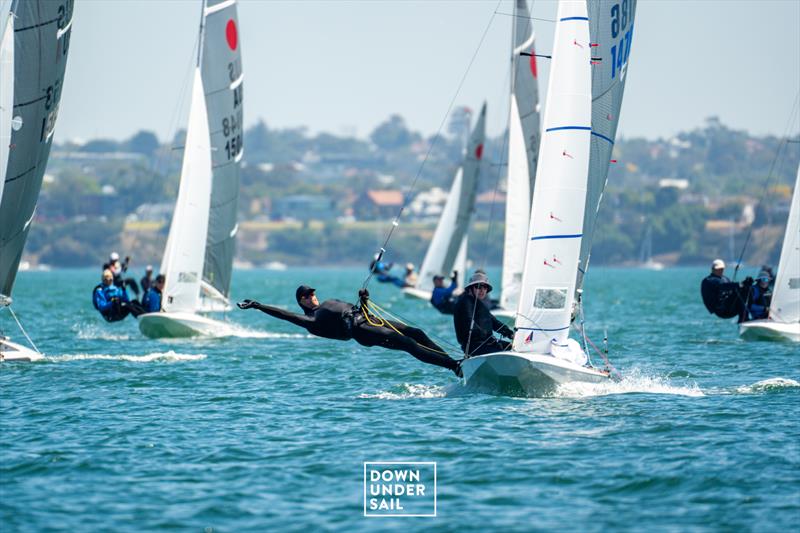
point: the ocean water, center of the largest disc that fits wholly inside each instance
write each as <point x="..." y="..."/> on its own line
<point x="269" y="430"/>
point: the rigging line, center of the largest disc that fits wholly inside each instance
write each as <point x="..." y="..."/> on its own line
<point x="407" y="321"/>
<point x="432" y="145"/>
<point x="19" y="325"/>
<point x="781" y="145"/>
<point x="521" y="17"/>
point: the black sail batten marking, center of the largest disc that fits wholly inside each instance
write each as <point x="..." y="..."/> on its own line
<point x="45" y="23"/>
<point x="23" y="104"/>
<point x="18" y="176"/>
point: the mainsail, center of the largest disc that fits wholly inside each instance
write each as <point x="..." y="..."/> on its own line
<point x="556" y="220"/>
<point x="523" y="152"/>
<point x="223" y="87"/>
<point x="34" y="55"/>
<point x="610" y="31"/>
<point x="448" y="246"/>
<point x="785" y="305"/>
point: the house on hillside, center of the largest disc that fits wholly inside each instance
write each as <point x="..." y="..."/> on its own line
<point x="378" y="204"/>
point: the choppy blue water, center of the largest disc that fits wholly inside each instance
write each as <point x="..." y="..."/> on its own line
<point x="269" y="430"/>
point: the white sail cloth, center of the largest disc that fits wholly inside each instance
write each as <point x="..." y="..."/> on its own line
<point x="557" y="214"/>
<point x="785" y="305"/>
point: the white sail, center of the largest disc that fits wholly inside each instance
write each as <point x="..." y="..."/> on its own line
<point x="518" y="208"/>
<point x="186" y="244"/>
<point x="785" y="305"/>
<point x="460" y="265"/>
<point x="6" y="96"/>
<point x="557" y="214"/>
<point x="433" y="264"/>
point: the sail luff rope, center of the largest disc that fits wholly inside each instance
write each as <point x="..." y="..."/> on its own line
<point x="437" y="136"/>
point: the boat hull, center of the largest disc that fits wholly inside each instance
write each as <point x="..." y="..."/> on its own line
<point x="524" y="374"/>
<point x="181" y="325"/>
<point x="13" y="352"/>
<point x="770" y="330"/>
<point x="419" y="294"/>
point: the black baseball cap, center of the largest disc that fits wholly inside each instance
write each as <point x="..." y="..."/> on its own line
<point x="303" y="290"/>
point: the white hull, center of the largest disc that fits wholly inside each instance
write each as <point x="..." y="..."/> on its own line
<point x="770" y="330"/>
<point x="177" y="325"/>
<point x="11" y="352"/>
<point x="524" y="374"/>
<point x="419" y="294"/>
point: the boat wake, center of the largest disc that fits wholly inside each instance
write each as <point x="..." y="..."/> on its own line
<point x="94" y="332"/>
<point x="634" y="382"/>
<point x="408" y="391"/>
<point x="245" y="333"/>
<point x="768" y="385"/>
<point x="160" y="357"/>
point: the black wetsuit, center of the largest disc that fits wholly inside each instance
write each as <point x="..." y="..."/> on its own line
<point x="335" y="319"/>
<point x="724" y="298"/>
<point x="485" y="324"/>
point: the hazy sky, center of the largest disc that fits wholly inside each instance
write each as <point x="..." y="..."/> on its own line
<point x="344" y="66"/>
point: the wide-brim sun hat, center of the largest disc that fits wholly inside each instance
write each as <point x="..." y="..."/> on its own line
<point x="479" y="278"/>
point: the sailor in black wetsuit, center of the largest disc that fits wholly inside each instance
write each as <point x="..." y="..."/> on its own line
<point x="335" y="319"/>
<point x="474" y="323"/>
<point x="723" y="297"/>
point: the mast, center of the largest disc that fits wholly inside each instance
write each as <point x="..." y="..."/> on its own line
<point x="223" y="86"/>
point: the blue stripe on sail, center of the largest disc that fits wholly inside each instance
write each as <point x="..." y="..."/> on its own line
<point x="574" y="18"/>
<point x="542" y="237"/>
<point x="569" y="128"/>
<point x="602" y="137"/>
<point x="545" y="329"/>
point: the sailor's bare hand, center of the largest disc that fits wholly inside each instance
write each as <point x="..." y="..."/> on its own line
<point x="246" y="304"/>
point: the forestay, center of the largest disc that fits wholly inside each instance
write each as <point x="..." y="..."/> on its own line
<point x="223" y="86"/>
<point x="523" y="152"/>
<point x="785" y="305"/>
<point x="450" y="237"/>
<point x="40" y="36"/>
<point x="610" y="31"/>
<point x="556" y="220"/>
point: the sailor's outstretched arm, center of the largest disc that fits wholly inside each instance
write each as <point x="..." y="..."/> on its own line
<point x="294" y="318"/>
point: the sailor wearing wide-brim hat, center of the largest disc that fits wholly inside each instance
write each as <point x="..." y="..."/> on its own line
<point x="479" y="278"/>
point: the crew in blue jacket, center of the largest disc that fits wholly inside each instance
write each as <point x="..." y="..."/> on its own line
<point x="383" y="273"/>
<point x="112" y="301"/>
<point x="442" y="297"/>
<point x="760" y="297"/>
<point x="152" y="298"/>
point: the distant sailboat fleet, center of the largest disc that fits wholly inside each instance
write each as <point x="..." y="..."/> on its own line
<point x="557" y="169"/>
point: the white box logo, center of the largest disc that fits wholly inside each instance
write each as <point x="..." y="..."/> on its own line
<point x="394" y="488"/>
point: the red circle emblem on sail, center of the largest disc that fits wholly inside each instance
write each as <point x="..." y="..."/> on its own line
<point x="479" y="151"/>
<point x="533" y="63"/>
<point x="231" y="34"/>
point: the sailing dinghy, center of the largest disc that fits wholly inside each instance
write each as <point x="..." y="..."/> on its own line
<point x="783" y="322"/>
<point x="33" y="56"/>
<point x="198" y="258"/>
<point x="580" y="121"/>
<point x="523" y="155"/>
<point x="447" y="250"/>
